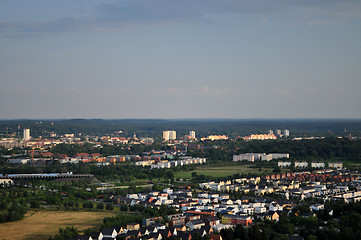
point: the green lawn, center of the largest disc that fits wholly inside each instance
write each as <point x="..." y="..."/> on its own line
<point x="222" y="171"/>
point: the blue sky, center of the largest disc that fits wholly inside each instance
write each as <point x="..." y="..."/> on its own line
<point x="180" y="59"/>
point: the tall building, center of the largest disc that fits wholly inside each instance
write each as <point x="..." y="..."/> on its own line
<point x="172" y="135"/>
<point x="169" y="135"/>
<point x="26" y="134"/>
<point x="286" y="133"/>
<point x="270" y="132"/>
<point x="166" y="135"/>
<point x="192" y="134"/>
<point x="278" y="132"/>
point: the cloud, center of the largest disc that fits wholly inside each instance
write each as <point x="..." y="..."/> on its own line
<point x="120" y="14"/>
<point x="284" y="92"/>
<point x="315" y="23"/>
<point x="203" y="90"/>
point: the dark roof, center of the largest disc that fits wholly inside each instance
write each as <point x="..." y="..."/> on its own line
<point x="108" y="238"/>
<point x="143" y="230"/>
<point x="165" y="232"/>
<point x="154" y="235"/>
<point x="82" y="238"/>
<point x="151" y="228"/>
<point x="108" y="231"/>
<point x="184" y="235"/>
<point x="95" y="235"/>
<point x="132" y="233"/>
<point x="208" y="229"/>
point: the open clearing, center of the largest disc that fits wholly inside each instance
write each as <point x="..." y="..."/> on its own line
<point x="40" y="225"/>
<point x="222" y="171"/>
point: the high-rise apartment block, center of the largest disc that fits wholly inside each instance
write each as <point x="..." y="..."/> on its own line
<point x="26" y="134"/>
<point x="270" y="132"/>
<point x="169" y="135"/>
<point x="192" y="134"/>
<point x="286" y="133"/>
<point x="278" y="132"/>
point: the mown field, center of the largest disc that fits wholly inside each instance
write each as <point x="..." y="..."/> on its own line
<point x="222" y="171"/>
<point x="40" y="225"/>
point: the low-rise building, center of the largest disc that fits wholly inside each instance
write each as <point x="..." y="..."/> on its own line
<point x="317" y="164"/>
<point x="301" y="164"/>
<point x="230" y="219"/>
<point x="337" y="165"/>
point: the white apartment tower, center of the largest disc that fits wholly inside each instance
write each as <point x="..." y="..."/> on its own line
<point x="169" y="135"/>
<point x="286" y="133"/>
<point x="270" y="132"/>
<point x="26" y="134"/>
<point x="192" y="134"/>
<point x="278" y="132"/>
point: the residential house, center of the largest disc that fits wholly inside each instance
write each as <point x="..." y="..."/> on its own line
<point x="236" y="219"/>
<point x="109" y="233"/>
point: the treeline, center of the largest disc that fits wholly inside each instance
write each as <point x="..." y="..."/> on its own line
<point x="121" y="220"/>
<point x="106" y="150"/>
<point x="154" y="128"/>
<point x="12" y="211"/>
<point x="316" y="149"/>
<point x="124" y="172"/>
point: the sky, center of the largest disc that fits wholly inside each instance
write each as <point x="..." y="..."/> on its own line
<point x="169" y="59"/>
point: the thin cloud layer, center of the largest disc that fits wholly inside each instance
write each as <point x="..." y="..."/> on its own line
<point x="120" y="14"/>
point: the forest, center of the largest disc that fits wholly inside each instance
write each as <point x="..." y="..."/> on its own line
<point x="203" y="127"/>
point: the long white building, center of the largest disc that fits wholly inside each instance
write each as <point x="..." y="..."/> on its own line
<point x="259" y="156"/>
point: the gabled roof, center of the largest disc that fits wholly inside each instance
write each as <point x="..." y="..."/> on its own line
<point x="144" y="231"/>
<point x="95" y="235"/>
<point x="152" y="229"/>
<point x="108" y="231"/>
<point x="83" y="238"/>
<point x="185" y="236"/>
<point x="208" y="229"/>
<point x="165" y="233"/>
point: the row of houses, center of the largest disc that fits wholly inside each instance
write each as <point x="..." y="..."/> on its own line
<point x="304" y="164"/>
<point x="154" y="232"/>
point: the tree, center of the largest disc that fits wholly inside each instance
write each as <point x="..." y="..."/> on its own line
<point x="109" y="206"/>
<point x="100" y="205"/>
<point x="67" y="233"/>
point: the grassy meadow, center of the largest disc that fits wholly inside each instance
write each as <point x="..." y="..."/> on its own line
<point x="222" y="171"/>
<point x="42" y="224"/>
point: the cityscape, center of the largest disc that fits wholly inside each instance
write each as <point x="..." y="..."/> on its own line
<point x="180" y="186"/>
<point x="180" y="120"/>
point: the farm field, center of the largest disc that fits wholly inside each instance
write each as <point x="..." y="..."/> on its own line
<point x="42" y="224"/>
<point x="222" y="171"/>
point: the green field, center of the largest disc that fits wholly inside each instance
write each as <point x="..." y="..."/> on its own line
<point x="222" y="171"/>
